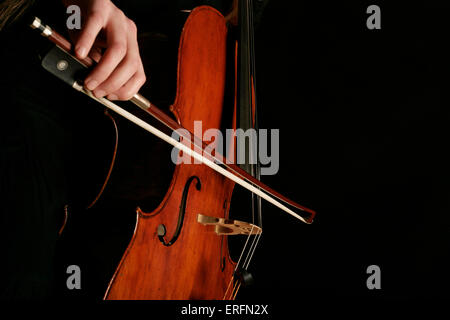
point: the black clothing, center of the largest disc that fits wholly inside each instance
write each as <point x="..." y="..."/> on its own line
<point x="33" y="138"/>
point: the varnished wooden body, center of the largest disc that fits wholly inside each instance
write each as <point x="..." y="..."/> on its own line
<point x="197" y="265"/>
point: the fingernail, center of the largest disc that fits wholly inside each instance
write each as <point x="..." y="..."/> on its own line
<point x="81" y="51"/>
<point x="100" y="93"/>
<point x="112" y="97"/>
<point x="91" y="84"/>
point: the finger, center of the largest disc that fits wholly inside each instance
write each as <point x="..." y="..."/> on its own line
<point x="88" y="34"/>
<point x="116" y="51"/>
<point x="126" y="69"/>
<point x="130" y="88"/>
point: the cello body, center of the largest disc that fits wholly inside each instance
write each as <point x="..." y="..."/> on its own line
<point x="171" y="255"/>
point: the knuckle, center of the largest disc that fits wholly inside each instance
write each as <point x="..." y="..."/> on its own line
<point x="142" y="78"/>
<point x="99" y="92"/>
<point x="133" y="63"/>
<point x="119" y="14"/>
<point x="97" y="17"/>
<point x="126" y="95"/>
<point x="103" y="5"/>
<point x="120" y="48"/>
<point x="111" y="85"/>
<point x="132" y="26"/>
<point x="130" y="91"/>
<point x="98" y="76"/>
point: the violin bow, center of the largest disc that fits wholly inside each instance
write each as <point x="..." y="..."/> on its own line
<point x="216" y="162"/>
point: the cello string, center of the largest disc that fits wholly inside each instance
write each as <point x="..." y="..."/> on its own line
<point x="233" y="292"/>
<point x="229" y="284"/>
<point x="249" y="87"/>
<point x="248" y="253"/>
<point x="236" y="292"/>
<point x="239" y="260"/>
<point x="252" y="61"/>
<point x="256" y="203"/>
<point x="251" y="251"/>
<point x="251" y="256"/>
<point x="237" y="285"/>
<point x="246" y="262"/>
<point x="243" y="250"/>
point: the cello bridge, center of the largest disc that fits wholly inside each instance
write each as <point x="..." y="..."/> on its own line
<point x="229" y="227"/>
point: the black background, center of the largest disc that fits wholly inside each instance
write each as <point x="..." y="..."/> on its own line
<point x="363" y="118"/>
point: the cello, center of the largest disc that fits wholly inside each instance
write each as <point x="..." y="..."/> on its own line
<point x="180" y="250"/>
<point x="187" y="261"/>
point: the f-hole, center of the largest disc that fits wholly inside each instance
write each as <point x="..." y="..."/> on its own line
<point x="162" y="228"/>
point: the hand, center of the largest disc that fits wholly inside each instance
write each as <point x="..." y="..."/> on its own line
<point x="119" y="73"/>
